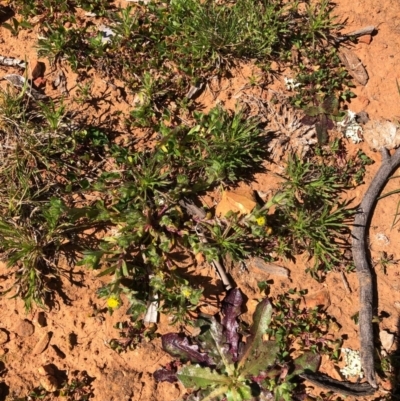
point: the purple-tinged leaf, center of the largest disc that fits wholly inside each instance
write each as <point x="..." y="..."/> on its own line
<point x="212" y="340"/>
<point x="258" y="354"/>
<point x="168" y="373"/>
<point x="331" y="105"/>
<point x="330" y="124"/>
<point x="179" y="346"/>
<point x="231" y="309"/>
<point x="165" y="375"/>
<point x="321" y="129"/>
<point x="308" y="120"/>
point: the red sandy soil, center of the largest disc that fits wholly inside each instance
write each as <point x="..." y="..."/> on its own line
<point x="128" y="376"/>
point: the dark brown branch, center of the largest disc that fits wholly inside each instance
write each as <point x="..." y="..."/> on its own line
<point x="345" y="388"/>
<point x="363" y="216"/>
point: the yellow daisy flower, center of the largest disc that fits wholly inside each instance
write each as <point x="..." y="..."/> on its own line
<point x="113" y="302"/>
<point x="261" y="221"/>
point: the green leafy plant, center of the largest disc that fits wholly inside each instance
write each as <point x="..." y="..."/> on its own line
<point x="218" y="146"/>
<point x="323" y="116"/>
<point x="202" y="38"/>
<point x="62" y="43"/>
<point x="32" y="243"/>
<point x="156" y="53"/>
<point x="83" y="92"/>
<point x="223" y="367"/>
<point x="296" y="326"/>
<point x="131" y="334"/>
<point x="150" y="231"/>
<point x="386" y="260"/>
<point x="78" y="387"/>
<point x="216" y="31"/>
<point x="308" y="214"/>
<point x="16" y="26"/>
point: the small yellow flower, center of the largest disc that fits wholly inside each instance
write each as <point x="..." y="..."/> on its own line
<point x="261" y="221"/>
<point x="186" y="292"/>
<point x="113" y="302"/>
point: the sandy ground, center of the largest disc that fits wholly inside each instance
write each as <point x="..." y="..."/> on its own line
<point x="77" y="326"/>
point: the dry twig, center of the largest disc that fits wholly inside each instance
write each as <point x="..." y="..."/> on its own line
<point x="193" y="210"/>
<point x="363" y="217"/>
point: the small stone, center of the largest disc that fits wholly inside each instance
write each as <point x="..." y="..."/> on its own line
<point x="381" y="134"/>
<point x="3" y="351"/>
<point x="382" y="239"/>
<point x="367" y="39"/>
<point x="165" y="390"/>
<point x="49" y="383"/>
<point x="237" y="202"/>
<point x="38" y="70"/>
<point x="25" y="328"/>
<point x="362" y="117"/>
<point x="353" y="66"/>
<point x="42" y="371"/>
<point x="40" y="319"/>
<point x="269" y="268"/>
<point x="3" y="336"/>
<point x="40" y="82"/>
<point x="45" y="370"/>
<point x="42" y="344"/>
<point x="387" y="339"/>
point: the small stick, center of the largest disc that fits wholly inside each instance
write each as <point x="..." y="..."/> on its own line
<point x="346" y="388"/>
<point x="193" y="210"/>
<point x="345" y="283"/>
<point x="368" y="30"/>
<point x="221" y="271"/>
<point x="216" y="263"/>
